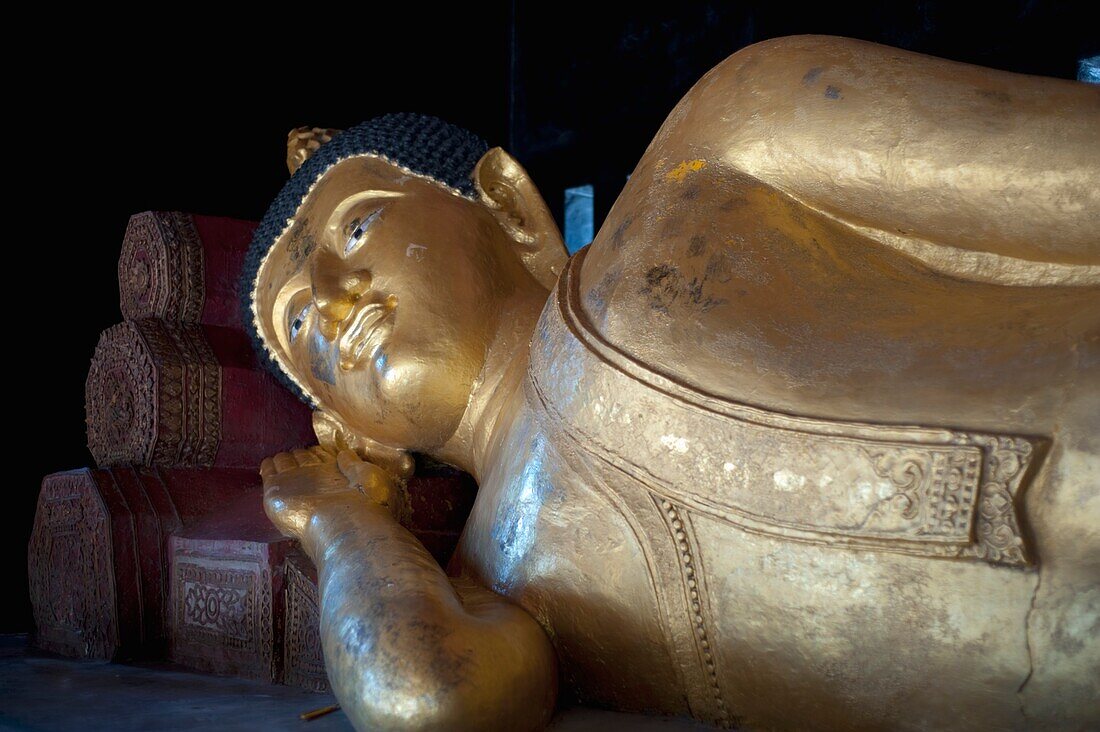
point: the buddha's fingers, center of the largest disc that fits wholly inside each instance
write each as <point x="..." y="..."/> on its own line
<point x="305" y="457"/>
<point x="323" y="454"/>
<point x="284" y="461"/>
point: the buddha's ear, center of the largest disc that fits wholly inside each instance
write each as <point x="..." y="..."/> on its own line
<point x="335" y="435"/>
<point x="506" y="190"/>
<point x="301" y="142"/>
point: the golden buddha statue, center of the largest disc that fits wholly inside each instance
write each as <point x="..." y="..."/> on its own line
<point x="808" y="437"/>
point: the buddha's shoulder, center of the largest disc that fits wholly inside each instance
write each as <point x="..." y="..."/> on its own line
<point x="769" y="303"/>
<point x="771" y="247"/>
<point x="976" y="172"/>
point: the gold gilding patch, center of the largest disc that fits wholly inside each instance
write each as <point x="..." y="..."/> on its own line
<point x="681" y="171"/>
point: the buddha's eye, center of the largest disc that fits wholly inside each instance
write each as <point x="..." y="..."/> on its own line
<point x="359" y="230"/>
<point x="298" y="321"/>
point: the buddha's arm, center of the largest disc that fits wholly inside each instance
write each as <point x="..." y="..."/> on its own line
<point x="405" y="647"/>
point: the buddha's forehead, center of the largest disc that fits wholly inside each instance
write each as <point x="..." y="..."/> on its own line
<point x="354" y="176"/>
<point x="347" y="179"/>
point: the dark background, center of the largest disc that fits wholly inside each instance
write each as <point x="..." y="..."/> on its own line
<point x="191" y="114"/>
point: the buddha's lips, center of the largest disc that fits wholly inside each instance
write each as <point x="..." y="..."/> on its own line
<point x="359" y="336"/>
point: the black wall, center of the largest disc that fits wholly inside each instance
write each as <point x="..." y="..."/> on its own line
<point x="192" y="114"/>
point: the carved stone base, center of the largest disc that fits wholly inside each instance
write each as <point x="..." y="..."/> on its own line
<point x="303" y="662"/>
<point x="162" y="393"/>
<point x="227" y="584"/>
<point x="97" y="554"/>
<point x="182" y="267"/>
<point x="109" y="581"/>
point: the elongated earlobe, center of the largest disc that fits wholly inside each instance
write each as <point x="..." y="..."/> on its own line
<point x="505" y="189"/>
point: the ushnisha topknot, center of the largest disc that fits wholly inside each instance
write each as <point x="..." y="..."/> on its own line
<point x="420" y="143"/>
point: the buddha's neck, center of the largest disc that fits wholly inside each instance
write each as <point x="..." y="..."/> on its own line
<point x="500" y="380"/>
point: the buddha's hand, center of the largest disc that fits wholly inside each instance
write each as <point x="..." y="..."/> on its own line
<point x="300" y="484"/>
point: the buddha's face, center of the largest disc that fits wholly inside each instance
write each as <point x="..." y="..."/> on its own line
<point x="382" y="298"/>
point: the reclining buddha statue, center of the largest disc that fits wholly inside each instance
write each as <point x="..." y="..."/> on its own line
<point x="808" y="437"/>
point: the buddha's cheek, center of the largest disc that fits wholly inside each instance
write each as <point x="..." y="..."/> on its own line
<point x="322" y="358"/>
<point x="420" y="397"/>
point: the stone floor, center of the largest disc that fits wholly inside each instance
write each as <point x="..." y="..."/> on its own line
<point x="41" y="693"/>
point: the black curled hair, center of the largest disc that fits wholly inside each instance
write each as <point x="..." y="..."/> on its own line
<point x="421" y="143"/>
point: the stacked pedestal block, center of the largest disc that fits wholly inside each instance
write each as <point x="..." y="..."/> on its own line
<point x="226" y="593"/>
<point x="303" y="661"/>
<point x="98" y="553"/>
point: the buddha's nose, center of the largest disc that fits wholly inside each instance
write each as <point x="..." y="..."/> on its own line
<point x="336" y="289"/>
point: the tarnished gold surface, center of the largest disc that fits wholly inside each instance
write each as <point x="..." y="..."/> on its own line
<point x="809" y="437"/>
